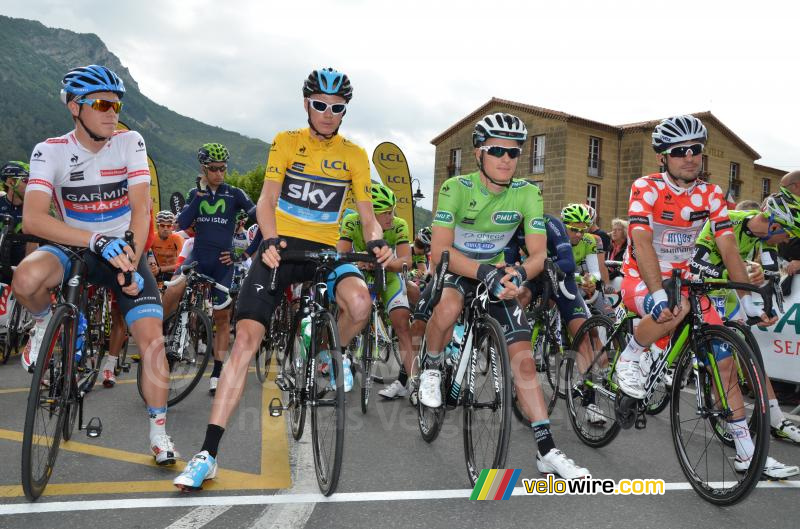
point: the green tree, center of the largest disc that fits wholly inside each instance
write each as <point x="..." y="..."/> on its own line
<point x="249" y="182"/>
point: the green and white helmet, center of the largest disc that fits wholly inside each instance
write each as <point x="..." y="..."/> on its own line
<point x="212" y="152"/>
<point x="383" y="198"/>
<point x="576" y="214"/>
<point x="786" y="212"/>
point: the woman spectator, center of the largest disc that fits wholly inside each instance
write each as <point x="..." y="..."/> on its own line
<point x="619" y="244"/>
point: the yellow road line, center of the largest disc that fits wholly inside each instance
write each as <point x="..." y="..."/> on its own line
<point x="274" y="468"/>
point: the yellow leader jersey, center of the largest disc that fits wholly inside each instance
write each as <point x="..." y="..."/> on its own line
<point x="315" y="176"/>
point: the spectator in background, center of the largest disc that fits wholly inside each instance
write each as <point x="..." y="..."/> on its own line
<point x="747" y="205"/>
<point x="618" y="246"/>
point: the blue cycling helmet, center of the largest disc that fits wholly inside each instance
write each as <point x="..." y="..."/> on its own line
<point x="88" y="79"/>
<point x="328" y="81"/>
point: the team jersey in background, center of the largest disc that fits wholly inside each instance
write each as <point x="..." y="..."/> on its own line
<point x="315" y="177"/>
<point x="166" y="251"/>
<point x="214" y="214"/>
<point x="90" y="190"/>
<point x="352" y="230"/>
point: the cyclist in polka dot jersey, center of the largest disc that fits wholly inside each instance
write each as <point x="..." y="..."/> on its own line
<point x="666" y="213"/>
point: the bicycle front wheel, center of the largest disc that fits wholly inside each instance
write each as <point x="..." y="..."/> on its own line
<point x="47" y="404"/>
<point x="487" y="404"/>
<point x="708" y="393"/>
<point x="590" y="393"/>
<point x="367" y="349"/>
<point x="186" y="361"/>
<point x="327" y="403"/>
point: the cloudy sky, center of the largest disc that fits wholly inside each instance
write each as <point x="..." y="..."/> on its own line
<point x="418" y="66"/>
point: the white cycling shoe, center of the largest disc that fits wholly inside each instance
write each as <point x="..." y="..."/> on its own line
<point x="556" y="462"/>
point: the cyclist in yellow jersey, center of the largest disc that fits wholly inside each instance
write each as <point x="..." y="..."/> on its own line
<point x="308" y="175"/>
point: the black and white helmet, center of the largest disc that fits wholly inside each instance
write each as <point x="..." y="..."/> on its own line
<point x="499" y="125"/>
<point x="678" y="129"/>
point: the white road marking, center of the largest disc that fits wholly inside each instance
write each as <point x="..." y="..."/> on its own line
<point x="289" y="515"/>
<point x="198" y="517"/>
<point x="284" y="499"/>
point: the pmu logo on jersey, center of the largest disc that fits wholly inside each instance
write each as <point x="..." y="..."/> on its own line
<point x="96" y="203"/>
<point x="312" y="200"/>
<point x="444" y="216"/>
<point x="506" y="217"/>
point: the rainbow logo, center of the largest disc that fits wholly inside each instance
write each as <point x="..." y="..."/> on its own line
<point x="495" y="484"/>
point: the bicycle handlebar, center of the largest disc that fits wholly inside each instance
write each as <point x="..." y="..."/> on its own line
<point x="329" y="256"/>
<point x="190" y="270"/>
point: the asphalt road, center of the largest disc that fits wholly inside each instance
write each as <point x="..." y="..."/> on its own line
<point x="391" y="477"/>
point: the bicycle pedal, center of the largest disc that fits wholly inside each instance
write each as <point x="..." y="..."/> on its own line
<point x="95" y="428"/>
<point x="641" y="422"/>
<point x="276" y="410"/>
<point x="126" y="367"/>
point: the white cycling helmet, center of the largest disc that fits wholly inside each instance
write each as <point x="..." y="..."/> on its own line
<point x="678" y="129"/>
<point x="499" y="125"/>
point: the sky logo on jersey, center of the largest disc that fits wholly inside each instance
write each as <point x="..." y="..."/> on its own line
<point x="506" y="217"/>
<point x="314" y="201"/>
<point x="96" y="203"/>
<point x="444" y="216"/>
<point x="211" y="209"/>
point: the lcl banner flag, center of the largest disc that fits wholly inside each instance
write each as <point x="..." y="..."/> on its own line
<point x="393" y="168"/>
<point x="154" y="192"/>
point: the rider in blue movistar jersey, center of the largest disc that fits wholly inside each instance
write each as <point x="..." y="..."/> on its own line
<point x="214" y="208"/>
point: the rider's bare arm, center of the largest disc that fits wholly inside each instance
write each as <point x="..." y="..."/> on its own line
<point x="36" y="220"/>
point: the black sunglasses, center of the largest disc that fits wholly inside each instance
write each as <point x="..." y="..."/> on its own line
<point x="498" y="152"/>
<point x="683" y="150"/>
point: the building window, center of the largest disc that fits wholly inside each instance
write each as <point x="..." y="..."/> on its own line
<point x="734" y="184"/>
<point x="704" y="174"/>
<point x="537" y="154"/>
<point x="595" y="151"/>
<point x="454" y="166"/>
<point x="765" y="185"/>
<point x="593" y="196"/>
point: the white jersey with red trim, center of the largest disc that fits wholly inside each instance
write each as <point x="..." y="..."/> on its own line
<point x="90" y="190"/>
<point x="675" y="216"/>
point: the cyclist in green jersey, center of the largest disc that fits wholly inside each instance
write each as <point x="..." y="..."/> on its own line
<point x="587" y="250"/>
<point x="476" y="218"/>
<point x="756" y="232"/>
<point x="394" y="298"/>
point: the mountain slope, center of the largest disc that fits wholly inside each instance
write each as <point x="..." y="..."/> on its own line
<point x="33" y="60"/>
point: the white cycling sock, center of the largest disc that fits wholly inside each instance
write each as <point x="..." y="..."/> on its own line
<point x="775" y="413"/>
<point x="110" y="363"/>
<point x="632" y="351"/>
<point x="158" y="421"/>
<point x="741" y="439"/>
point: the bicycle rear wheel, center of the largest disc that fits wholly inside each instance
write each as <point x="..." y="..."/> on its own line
<point x="704" y="456"/>
<point x="487" y="410"/>
<point x="590" y="395"/>
<point x="47" y="405"/>
<point x="327" y="404"/>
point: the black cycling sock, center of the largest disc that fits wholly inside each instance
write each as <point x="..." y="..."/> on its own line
<point x="544" y="439"/>
<point x="217" y="369"/>
<point x="403" y="376"/>
<point x="213" y="437"/>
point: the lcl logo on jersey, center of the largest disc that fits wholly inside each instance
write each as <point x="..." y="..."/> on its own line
<point x="336" y="165"/>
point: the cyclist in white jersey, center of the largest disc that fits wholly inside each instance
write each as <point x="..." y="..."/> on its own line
<point x="99" y="180"/>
